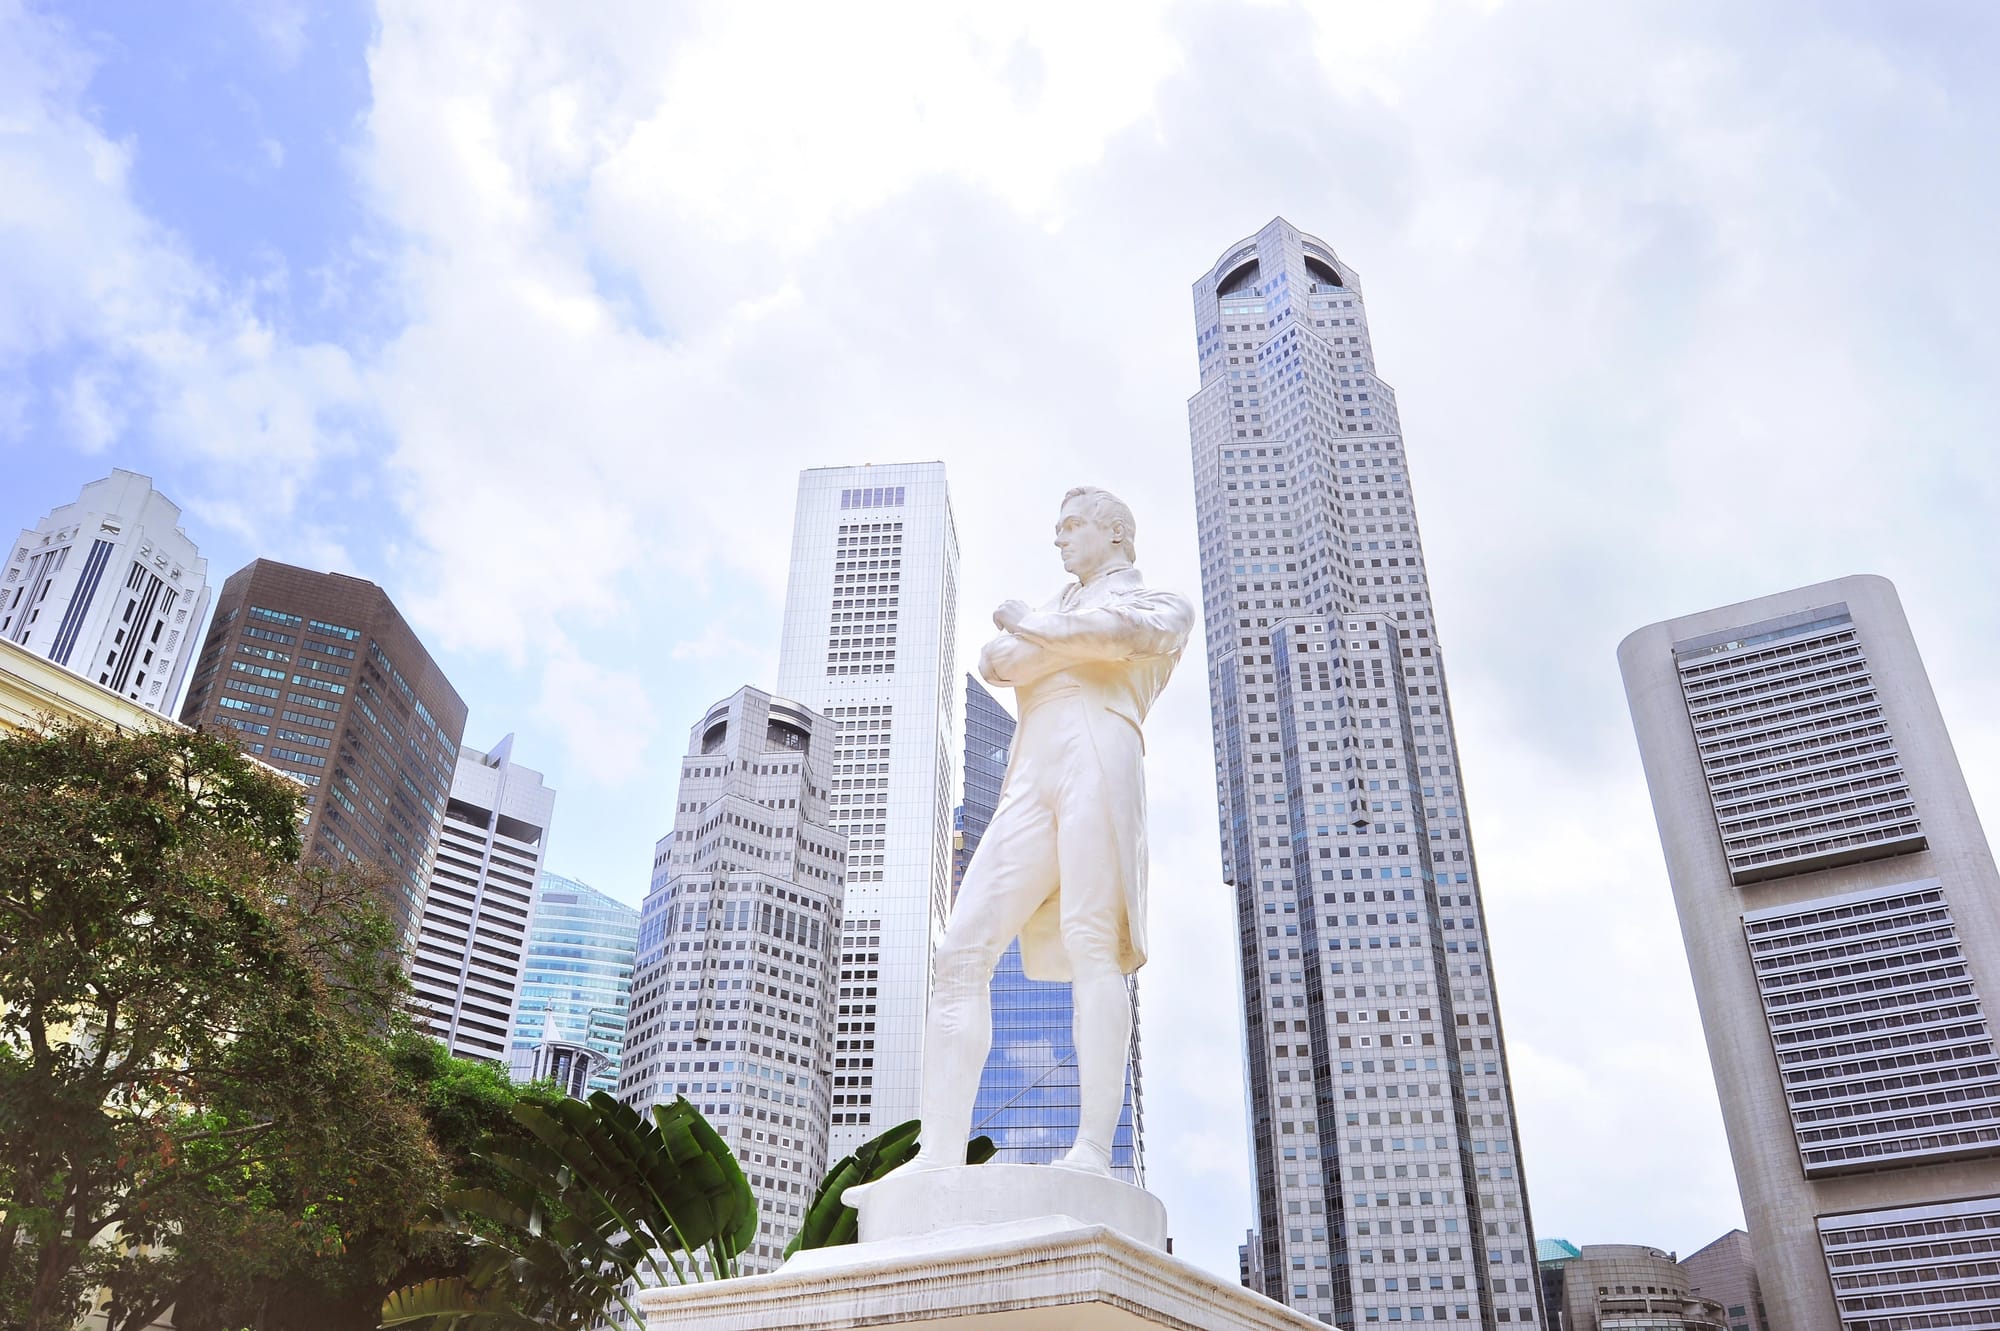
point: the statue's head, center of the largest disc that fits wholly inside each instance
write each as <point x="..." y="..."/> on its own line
<point x="1095" y="532"/>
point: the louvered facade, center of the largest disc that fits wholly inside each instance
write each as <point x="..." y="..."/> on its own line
<point x="472" y="938"/>
<point x="1914" y="1268"/>
<point x="1801" y="770"/>
<point x="1878" y="1031"/>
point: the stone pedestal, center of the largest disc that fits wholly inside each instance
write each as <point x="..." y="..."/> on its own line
<point x="907" y="1205"/>
<point x="1053" y="1272"/>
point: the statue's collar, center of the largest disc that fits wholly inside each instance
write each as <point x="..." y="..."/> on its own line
<point x="1112" y="579"/>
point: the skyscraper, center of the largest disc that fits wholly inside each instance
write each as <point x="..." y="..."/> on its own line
<point x="734" y="993"/>
<point x="474" y="931"/>
<point x="576" y="976"/>
<point x="1028" y="1098"/>
<point x="870" y="640"/>
<point x="326" y="682"/>
<point x="1841" y="912"/>
<point x="1387" y="1163"/>
<point x="110" y="587"/>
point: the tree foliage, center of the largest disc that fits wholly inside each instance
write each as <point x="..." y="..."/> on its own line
<point x="386" y="1243"/>
<point x="193" y="1039"/>
<point x="467" y="1102"/>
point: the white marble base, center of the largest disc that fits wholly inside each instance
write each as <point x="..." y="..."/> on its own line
<point x="1048" y="1274"/>
<point x="910" y="1205"/>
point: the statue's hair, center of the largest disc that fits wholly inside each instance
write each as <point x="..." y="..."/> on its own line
<point x="1106" y="508"/>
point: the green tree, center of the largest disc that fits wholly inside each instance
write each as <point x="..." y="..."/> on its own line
<point x="241" y="1266"/>
<point x="466" y="1101"/>
<point x="237" y="1276"/>
<point x="469" y="1105"/>
<point x="192" y="1035"/>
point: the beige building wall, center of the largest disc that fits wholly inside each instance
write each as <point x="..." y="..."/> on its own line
<point x="32" y="687"/>
<point x="1939" y="1168"/>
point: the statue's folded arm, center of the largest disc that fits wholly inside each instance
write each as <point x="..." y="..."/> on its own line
<point x="1139" y="625"/>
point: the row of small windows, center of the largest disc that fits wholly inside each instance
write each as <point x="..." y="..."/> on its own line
<point x="878" y="496"/>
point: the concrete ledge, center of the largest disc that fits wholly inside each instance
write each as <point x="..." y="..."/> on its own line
<point x="1031" y="1275"/>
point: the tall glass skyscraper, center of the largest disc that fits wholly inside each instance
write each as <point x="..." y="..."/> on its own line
<point x="871" y="642"/>
<point x="989" y="737"/>
<point x="576" y="977"/>
<point x="1387" y="1162"/>
<point x="1028" y="1100"/>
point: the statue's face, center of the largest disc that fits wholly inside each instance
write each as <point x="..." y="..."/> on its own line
<point x="1088" y="546"/>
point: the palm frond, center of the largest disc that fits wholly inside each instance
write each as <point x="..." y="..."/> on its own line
<point x="453" y="1304"/>
<point x="830" y="1222"/>
<point x="585" y="1201"/>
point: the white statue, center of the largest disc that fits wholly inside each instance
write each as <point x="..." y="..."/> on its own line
<point x="1063" y="863"/>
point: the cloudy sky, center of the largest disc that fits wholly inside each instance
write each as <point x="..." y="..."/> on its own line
<point x="531" y="313"/>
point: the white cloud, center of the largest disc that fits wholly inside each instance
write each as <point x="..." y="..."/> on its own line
<point x="602" y="717"/>
<point x="162" y="347"/>
<point x="846" y="109"/>
<point x="91" y="412"/>
<point x="534" y="168"/>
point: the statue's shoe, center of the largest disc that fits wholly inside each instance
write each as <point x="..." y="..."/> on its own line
<point x="859" y="1192"/>
<point x="1085" y="1158"/>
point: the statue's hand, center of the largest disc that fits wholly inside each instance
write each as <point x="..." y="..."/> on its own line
<point x="1009" y="616"/>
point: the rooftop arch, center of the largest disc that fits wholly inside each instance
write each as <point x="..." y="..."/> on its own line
<point x="1323" y="271"/>
<point x="1239" y="277"/>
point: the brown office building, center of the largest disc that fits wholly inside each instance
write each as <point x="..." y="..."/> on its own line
<point x="325" y="681"/>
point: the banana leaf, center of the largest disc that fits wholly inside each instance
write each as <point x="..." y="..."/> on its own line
<point x="588" y="1202"/>
<point x="451" y="1304"/>
<point x="720" y="1196"/>
<point x="671" y="1178"/>
<point x="828" y="1221"/>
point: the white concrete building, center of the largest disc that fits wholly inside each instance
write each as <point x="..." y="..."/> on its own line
<point x="474" y="929"/>
<point x="870" y="640"/>
<point x="111" y="588"/>
<point x="1841" y="912"/>
<point x="1384" y="1146"/>
<point x="734" y="990"/>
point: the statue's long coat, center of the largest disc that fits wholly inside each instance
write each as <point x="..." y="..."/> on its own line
<point x="1115" y="642"/>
